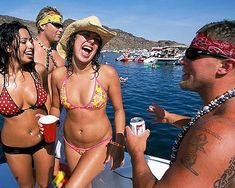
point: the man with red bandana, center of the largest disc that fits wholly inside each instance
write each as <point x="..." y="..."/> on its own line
<point x="203" y="155"/>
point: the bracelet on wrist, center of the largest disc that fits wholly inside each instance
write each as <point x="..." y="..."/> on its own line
<point x="117" y="144"/>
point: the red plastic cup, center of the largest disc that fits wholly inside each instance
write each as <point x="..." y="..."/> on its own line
<point x="49" y="125"/>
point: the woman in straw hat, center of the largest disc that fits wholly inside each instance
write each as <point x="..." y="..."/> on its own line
<point x="83" y="88"/>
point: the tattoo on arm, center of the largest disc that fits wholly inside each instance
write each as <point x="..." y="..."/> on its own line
<point x="196" y="145"/>
<point x="228" y="177"/>
<point x="211" y="133"/>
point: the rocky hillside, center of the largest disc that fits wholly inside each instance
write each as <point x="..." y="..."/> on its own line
<point x="123" y="40"/>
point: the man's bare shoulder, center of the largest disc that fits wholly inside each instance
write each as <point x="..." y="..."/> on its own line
<point x="58" y="59"/>
<point x="40" y="68"/>
<point x="216" y="131"/>
<point x="59" y="73"/>
<point x="37" y="48"/>
<point x="108" y="70"/>
<point x="223" y="121"/>
<point x="208" y="149"/>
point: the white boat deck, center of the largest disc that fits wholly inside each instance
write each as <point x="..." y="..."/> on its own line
<point x="119" y="178"/>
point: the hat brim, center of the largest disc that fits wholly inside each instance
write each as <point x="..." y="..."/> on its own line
<point x="76" y="26"/>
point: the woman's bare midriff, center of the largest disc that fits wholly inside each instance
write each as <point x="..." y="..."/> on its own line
<point x="87" y="133"/>
<point x="20" y="132"/>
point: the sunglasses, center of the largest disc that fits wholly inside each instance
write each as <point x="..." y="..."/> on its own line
<point x="88" y="34"/>
<point x="194" y="53"/>
<point x="57" y="25"/>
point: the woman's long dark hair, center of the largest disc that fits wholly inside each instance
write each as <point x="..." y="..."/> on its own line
<point x="94" y="61"/>
<point x="9" y="46"/>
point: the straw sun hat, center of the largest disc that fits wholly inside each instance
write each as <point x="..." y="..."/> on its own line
<point x="91" y="23"/>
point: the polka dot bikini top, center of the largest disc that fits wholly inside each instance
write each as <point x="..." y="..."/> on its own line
<point x="9" y="108"/>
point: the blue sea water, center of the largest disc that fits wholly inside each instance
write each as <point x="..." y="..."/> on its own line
<point x="144" y="86"/>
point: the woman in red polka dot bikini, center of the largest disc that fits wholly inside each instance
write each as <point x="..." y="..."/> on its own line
<point x="22" y="96"/>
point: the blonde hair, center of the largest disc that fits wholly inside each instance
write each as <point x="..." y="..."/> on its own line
<point x="44" y="12"/>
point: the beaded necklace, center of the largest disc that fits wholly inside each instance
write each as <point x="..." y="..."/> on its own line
<point x="206" y="109"/>
<point x="48" y="52"/>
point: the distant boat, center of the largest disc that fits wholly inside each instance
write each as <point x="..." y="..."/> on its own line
<point x="119" y="58"/>
<point x="140" y="59"/>
<point x="125" y="59"/>
<point x="162" y="61"/>
<point x="150" y="62"/>
<point x="166" y="60"/>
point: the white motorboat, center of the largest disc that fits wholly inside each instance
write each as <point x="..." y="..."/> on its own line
<point x="150" y="62"/>
<point x="167" y="60"/>
<point x="119" y="178"/>
<point x="160" y="61"/>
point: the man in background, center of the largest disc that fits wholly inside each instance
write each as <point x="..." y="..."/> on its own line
<point x="50" y="28"/>
<point x="49" y="23"/>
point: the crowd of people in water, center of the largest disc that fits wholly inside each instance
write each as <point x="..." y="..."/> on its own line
<point x="58" y="72"/>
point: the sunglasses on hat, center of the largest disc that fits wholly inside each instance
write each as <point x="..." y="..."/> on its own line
<point x="194" y="53"/>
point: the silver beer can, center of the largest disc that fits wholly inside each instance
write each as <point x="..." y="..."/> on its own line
<point x="137" y="125"/>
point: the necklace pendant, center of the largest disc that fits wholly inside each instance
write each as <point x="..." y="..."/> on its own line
<point x="206" y="109"/>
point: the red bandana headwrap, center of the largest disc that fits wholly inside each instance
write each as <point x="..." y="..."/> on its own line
<point x="201" y="41"/>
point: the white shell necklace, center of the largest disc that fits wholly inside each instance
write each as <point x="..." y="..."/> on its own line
<point x="48" y="52"/>
<point x="206" y="109"/>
